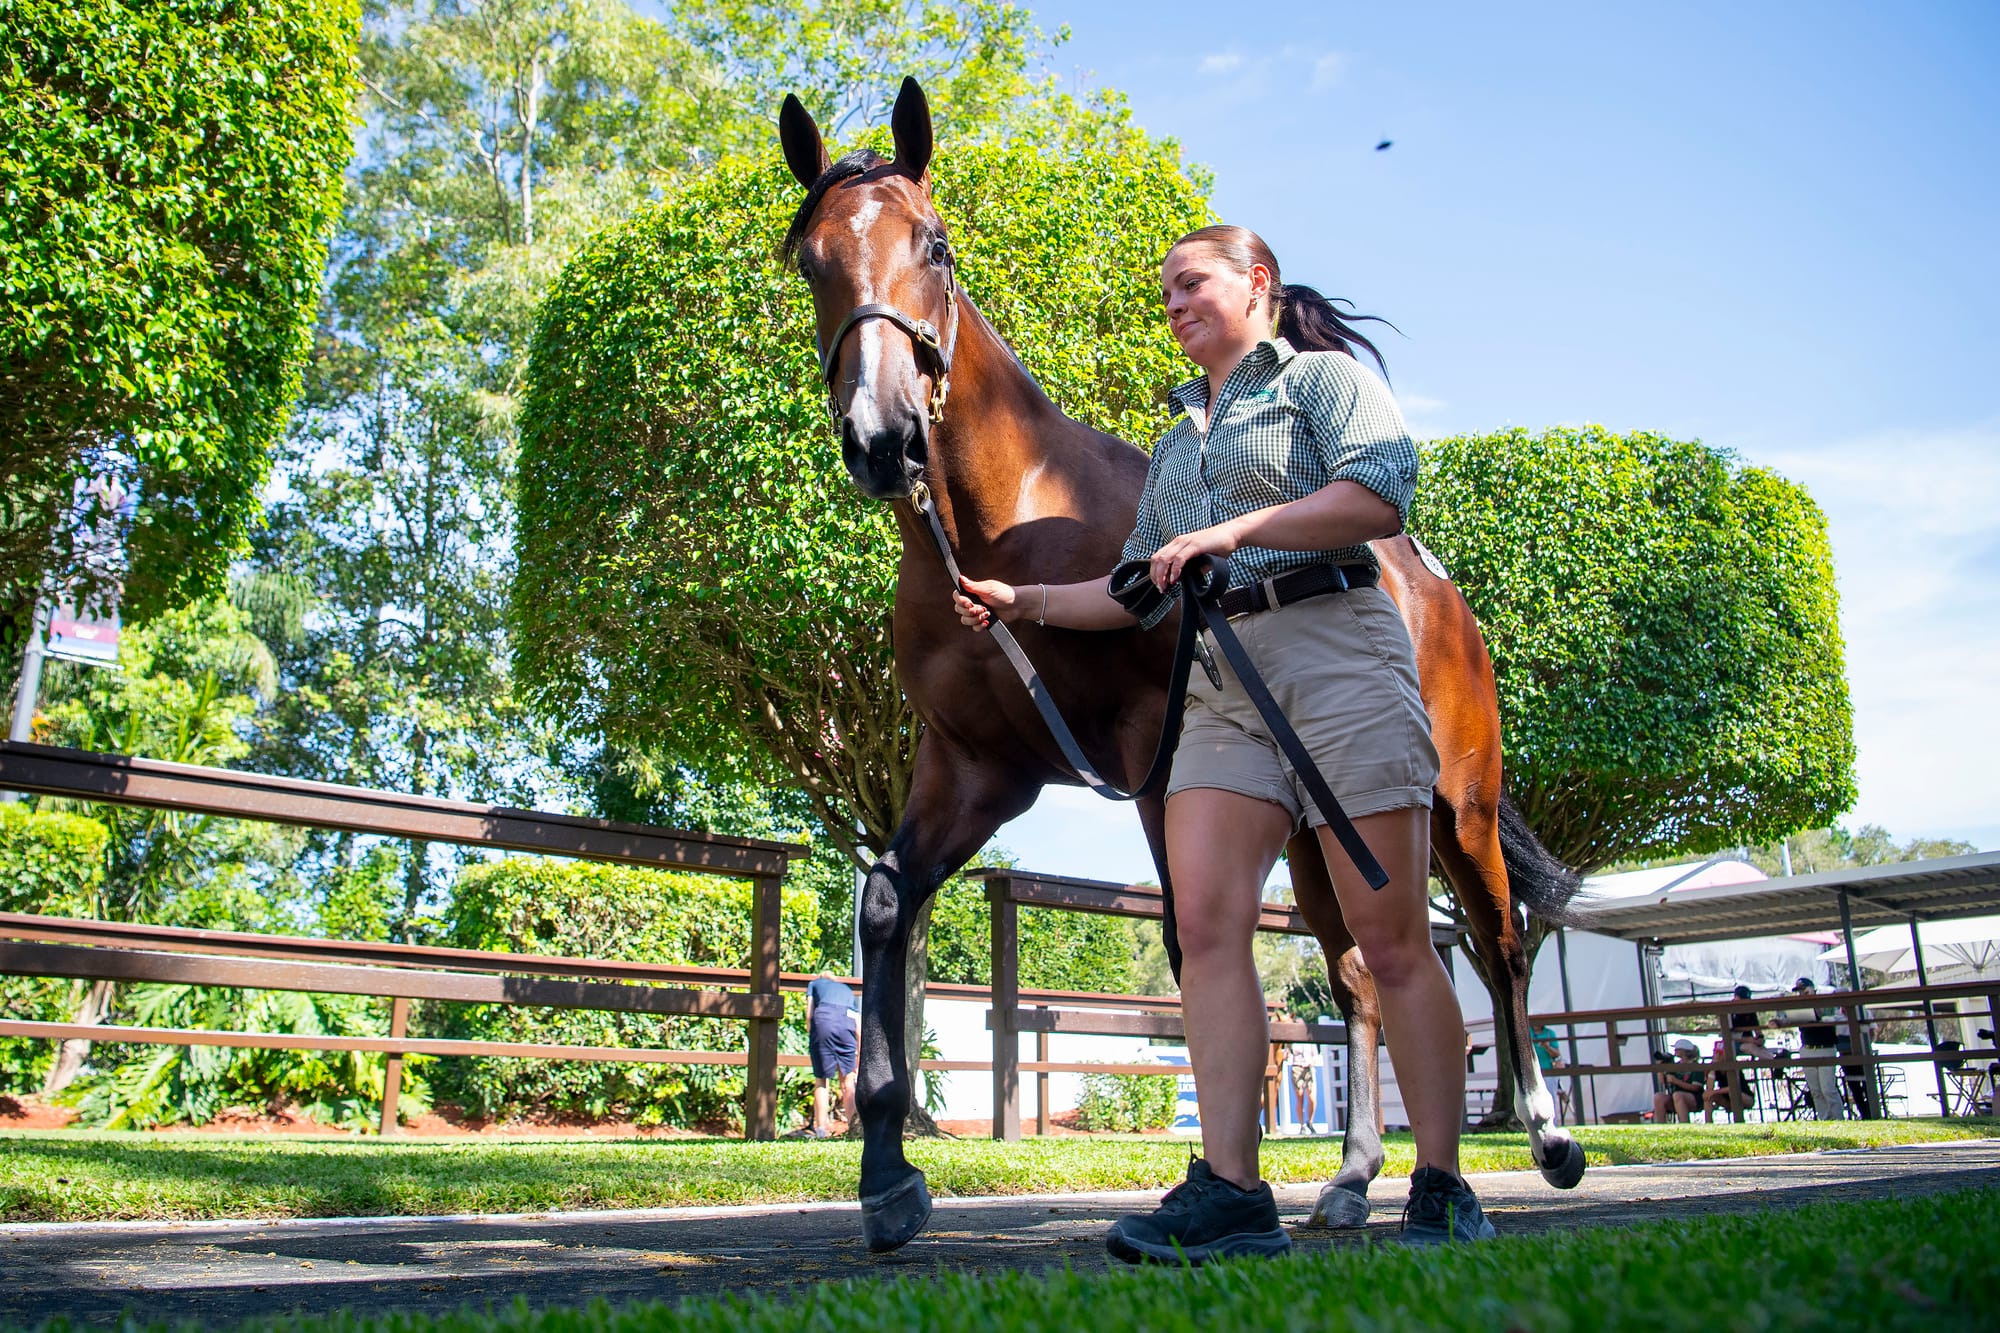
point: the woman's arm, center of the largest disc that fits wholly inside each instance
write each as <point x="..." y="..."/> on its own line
<point x="1069" y="605"/>
<point x="1341" y="513"/>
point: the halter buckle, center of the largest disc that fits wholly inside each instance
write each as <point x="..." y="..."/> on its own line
<point x="920" y="496"/>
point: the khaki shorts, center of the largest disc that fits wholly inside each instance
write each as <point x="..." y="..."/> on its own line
<point x="1342" y="669"/>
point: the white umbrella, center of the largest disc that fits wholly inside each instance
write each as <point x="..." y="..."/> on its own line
<point x="1971" y="942"/>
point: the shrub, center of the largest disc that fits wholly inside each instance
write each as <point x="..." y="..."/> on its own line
<point x="587" y="910"/>
<point x="1128" y="1102"/>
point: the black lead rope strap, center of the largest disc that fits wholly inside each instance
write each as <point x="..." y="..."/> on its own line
<point x="1201" y="587"/>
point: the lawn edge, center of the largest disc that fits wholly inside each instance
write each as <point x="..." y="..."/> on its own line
<point x="690" y="1212"/>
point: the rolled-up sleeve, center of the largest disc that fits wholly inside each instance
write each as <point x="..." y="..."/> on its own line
<point x="1357" y="427"/>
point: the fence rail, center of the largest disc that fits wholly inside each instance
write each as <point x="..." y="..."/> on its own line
<point x="116" y="951"/>
<point x="1855" y="1011"/>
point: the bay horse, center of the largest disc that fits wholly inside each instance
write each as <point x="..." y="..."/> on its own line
<point x="1028" y="495"/>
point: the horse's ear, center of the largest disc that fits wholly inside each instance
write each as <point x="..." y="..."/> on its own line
<point x="911" y="124"/>
<point x="805" y="152"/>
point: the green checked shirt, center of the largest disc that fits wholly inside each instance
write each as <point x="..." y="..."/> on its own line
<point x="1286" y="424"/>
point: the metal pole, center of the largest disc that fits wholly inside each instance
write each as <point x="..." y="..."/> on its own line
<point x="1649" y="996"/>
<point x="1855" y="1029"/>
<point x="1569" y="1006"/>
<point x="1930" y="1023"/>
<point x="29" y="693"/>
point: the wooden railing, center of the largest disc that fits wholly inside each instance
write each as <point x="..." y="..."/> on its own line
<point x="112" y="951"/>
<point x="1016" y="1011"/>
<point x="1858" y="1012"/>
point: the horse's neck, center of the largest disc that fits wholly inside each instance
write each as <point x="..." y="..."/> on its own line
<point x="999" y="435"/>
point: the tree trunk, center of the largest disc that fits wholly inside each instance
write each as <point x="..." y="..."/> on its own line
<point x="71" y="1054"/>
<point x="920" y="1122"/>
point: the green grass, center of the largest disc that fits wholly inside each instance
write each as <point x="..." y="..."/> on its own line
<point x="70" y="1175"/>
<point x="1929" y="1263"/>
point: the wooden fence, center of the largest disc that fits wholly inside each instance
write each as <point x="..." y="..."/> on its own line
<point x="111" y="951"/>
<point x="1858" y="1012"/>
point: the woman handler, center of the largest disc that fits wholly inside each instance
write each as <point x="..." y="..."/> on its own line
<point x="1286" y="457"/>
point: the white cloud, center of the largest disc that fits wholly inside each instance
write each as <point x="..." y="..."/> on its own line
<point x="1222" y="62"/>
<point x="1327" y="69"/>
<point x="1915" y="522"/>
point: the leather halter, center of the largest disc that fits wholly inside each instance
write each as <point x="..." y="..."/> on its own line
<point x="930" y="349"/>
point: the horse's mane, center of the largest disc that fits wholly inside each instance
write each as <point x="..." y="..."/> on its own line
<point x="857" y="163"/>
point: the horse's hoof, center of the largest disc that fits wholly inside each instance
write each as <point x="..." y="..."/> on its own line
<point x="1568" y="1170"/>
<point x="891" y="1218"/>
<point x="1339" y="1209"/>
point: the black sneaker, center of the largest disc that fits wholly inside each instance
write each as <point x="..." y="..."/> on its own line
<point x="1202" y="1218"/>
<point x="1442" y="1209"/>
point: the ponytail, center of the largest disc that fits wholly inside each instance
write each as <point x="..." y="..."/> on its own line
<point x="1311" y="323"/>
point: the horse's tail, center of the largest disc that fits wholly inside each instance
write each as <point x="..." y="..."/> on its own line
<point x="1535" y="878"/>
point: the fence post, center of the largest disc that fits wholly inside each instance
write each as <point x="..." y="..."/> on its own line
<point x="392" y="1067"/>
<point x="1042" y="1081"/>
<point x="760" y="1112"/>
<point x="1006" y="1010"/>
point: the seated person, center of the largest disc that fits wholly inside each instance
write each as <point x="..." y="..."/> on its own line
<point x="1685" y="1085"/>
<point x="1728" y="1089"/>
<point x="1748" y="1030"/>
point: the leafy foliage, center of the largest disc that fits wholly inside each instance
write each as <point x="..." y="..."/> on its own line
<point x="171" y="173"/>
<point x="51" y="862"/>
<point x="1059" y="950"/>
<point x="1664" y="630"/>
<point x="695" y="572"/>
<point x="1128" y="1102"/>
<point x="602" y="911"/>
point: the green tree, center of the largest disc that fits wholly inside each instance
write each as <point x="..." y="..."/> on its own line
<point x="188" y="683"/>
<point x="695" y="572"/>
<point x="1665" y="635"/>
<point x="1812" y="851"/>
<point x="172" y="170"/>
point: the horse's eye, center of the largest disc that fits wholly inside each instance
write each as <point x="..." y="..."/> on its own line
<point x="940" y="251"/>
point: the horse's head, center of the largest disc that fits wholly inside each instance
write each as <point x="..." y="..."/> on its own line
<point x="869" y="244"/>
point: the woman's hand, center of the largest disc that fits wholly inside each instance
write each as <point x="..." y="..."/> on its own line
<point x="1000" y="598"/>
<point x="1170" y="560"/>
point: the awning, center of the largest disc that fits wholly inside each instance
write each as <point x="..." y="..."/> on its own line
<point x="1941" y="890"/>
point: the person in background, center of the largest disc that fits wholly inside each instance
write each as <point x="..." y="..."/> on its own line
<point x="1685" y="1086"/>
<point x="1303" y="1058"/>
<point x="830" y="1038"/>
<point x="1819" y="1039"/>
<point x="1748" y="1030"/>
<point x="1727" y="1089"/>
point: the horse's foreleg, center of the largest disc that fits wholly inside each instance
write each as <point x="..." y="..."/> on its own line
<point x="953" y="809"/>
<point x="1467" y="843"/>
<point x="1344" y="1200"/>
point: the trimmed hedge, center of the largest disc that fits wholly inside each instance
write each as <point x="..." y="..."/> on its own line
<point x="169" y="173"/>
<point x="582" y="909"/>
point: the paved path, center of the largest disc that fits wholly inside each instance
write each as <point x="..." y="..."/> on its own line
<point x="219" y="1272"/>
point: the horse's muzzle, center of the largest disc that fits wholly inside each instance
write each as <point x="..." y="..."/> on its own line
<point x="885" y="463"/>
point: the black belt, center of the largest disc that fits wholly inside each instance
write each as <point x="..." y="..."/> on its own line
<point x="1295" y="585"/>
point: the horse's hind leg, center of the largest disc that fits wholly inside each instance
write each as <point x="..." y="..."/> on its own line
<point x="1344" y="1200"/>
<point x="954" y="808"/>
<point x="1466" y="841"/>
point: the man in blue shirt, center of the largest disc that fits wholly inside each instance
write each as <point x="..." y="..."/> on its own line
<point x="830" y="1038"/>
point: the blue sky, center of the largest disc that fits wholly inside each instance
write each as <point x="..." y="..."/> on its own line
<point x="1770" y="227"/>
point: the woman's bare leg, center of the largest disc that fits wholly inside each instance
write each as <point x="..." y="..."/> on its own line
<point x="1421" y="1020"/>
<point x="1220" y="849"/>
